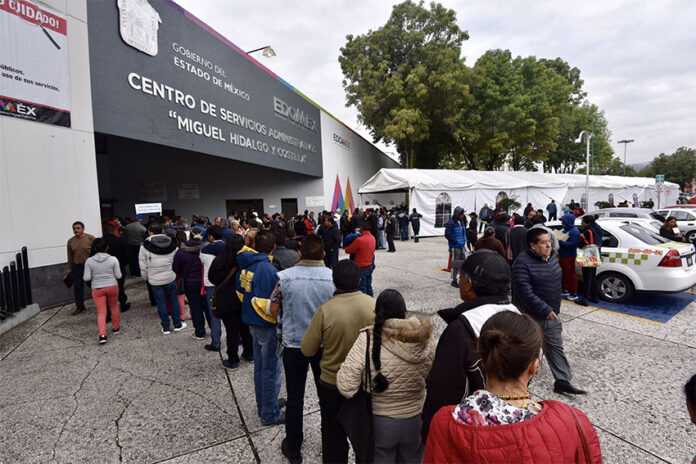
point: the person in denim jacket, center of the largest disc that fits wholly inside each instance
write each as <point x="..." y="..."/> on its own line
<point x="301" y="289"/>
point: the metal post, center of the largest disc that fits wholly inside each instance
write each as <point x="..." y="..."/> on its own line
<point x="27" y="276"/>
<point x="3" y="304"/>
<point x="587" y="176"/>
<point x="21" y="294"/>
<point x="14" y="287"/>
<point x="9" y="304"/>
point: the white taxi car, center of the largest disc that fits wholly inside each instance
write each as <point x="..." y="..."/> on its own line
<point x="635" y="258"/>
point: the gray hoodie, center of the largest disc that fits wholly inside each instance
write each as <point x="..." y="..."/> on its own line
<point x="103" y="270"/>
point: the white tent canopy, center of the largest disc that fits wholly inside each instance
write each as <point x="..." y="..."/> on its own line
<point x="435" y="192"/>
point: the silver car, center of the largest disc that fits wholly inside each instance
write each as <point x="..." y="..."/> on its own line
<point x="686" y="220"/>
<point x="625" y="213"/>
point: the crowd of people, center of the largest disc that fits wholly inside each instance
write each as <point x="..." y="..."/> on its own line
<point x="280" y="291"/>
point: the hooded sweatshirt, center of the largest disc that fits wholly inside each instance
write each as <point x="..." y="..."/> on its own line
<point x="187" y="261"/>
<point x="208" y="253"/>
<point x="569" y="248"/>
<point x="256" y="279"/>
<point x="103" y="270"/>
<point x="406" y="356"/>
<point x="156" y="257"/>
<point x="455" y="231"/>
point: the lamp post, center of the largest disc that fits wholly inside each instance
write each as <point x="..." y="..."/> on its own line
<point x="268" y="52"/>
<point x="588" y="135"/>
<point x="625" y="142"/>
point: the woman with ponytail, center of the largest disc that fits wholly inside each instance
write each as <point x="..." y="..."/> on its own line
<point x="503" y="423"/>
<point x="401" y="354"/>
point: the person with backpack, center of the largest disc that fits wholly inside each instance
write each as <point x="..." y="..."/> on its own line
<point x="227" y="306"/>
<point x="457" y="370"/>
<point x="456" y="239"/>
<point x="401" y="353"/>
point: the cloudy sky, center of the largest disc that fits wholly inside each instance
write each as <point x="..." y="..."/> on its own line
<point x="637" y="58"/>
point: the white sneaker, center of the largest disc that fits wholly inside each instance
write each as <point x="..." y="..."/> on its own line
<point x="181" y="327"/>
<point x="165" y="332"/>
<point x="197" y="337"/>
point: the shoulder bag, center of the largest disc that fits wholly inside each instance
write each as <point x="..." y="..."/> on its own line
<point x="213" y="308"/>
<point x="588" y="256"/>
<point x="356" y="416"/>
<point x="583" y="437"/>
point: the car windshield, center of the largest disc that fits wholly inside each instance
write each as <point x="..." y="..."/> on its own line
<point x="656" y="224"/>
<point x="644" y="235"/>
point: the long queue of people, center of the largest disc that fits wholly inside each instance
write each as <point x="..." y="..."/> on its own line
<point x="431" y="401"/>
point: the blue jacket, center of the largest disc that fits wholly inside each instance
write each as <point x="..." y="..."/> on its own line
<point x="455" y="231"/>
<point x="256" y="279"/>
<point x="569" y="248"/>
<point x="536" y="284"/>
<point x="552" y="208"/>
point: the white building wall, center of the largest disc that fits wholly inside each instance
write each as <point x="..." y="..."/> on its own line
<point x="48" y="175"/>
<point x="349" y="156"/>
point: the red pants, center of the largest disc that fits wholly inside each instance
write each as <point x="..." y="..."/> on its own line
<point x="570" y="278"/>
<point x="100" y="297"/>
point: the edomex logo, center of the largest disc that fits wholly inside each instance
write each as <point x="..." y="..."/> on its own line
<point x="7" y="107"/>
<point x="294" y="114"/>
<point x="139" y="23"/>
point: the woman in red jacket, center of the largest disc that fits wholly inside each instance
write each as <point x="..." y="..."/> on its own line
<point x="503" y="423"/>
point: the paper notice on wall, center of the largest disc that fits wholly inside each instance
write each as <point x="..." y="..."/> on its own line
<point x="313" y="202"/>
<point x="150" y="192"/>
<point x="34" y="73"/>
<point x="148" y="208"/>
<point x="188" y="191"/>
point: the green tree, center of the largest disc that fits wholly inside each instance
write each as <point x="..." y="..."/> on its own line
<point x="678" y="167"/>
<point x="568" y="155"/>
<point x="402" y="79"/>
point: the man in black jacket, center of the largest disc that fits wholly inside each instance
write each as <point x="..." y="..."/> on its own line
<point x="332" y="241"/>
<point x="457" y="372"/>
<point x="536" y="290"/>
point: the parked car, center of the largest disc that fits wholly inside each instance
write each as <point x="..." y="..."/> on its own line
<point x="686" y="220"/>
<point x="635" y="258"/>
<point x="625" y="213"/>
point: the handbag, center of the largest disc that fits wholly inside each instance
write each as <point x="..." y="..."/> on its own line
<point x="588" y="256"/>
<point x="356" y="416"/>
<point x="213" y="308"/>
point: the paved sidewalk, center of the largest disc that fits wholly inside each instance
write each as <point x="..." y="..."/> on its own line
<point x="146" y="397"/>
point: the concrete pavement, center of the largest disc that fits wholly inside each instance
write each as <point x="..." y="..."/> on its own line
<point x="146" y="397"/>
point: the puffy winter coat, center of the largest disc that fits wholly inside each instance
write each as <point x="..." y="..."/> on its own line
<point x="551" y="436"/>
<point x="569" y="248"/>
<point x="536" y="284"/>
<point x="187" y="261"/>
<point x="407" y="354"/>
<point x="454" y="230"/>
<point x="156" y="257"/>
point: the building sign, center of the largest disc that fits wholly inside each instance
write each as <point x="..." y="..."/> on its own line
<point x="148" y="208"/>
<point x="33" y="63"/>
<point x="160" y="75"/>
<point x="342" y="141"/>
<point x="313" y="202"/>
<point x="188" y="191"/>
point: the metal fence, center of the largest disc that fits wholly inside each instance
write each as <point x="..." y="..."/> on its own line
<point x="15" y="286"/>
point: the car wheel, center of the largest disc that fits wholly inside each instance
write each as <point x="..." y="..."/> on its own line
<point x="691" y="236"/>
<point x="615" y="288"/>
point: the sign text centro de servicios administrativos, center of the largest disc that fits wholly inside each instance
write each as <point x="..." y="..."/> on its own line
<point x="159" y="77"/>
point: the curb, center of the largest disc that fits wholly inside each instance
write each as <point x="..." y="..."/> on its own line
<point x="22" y="316"/>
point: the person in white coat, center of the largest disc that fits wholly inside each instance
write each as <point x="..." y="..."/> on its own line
<point x="155" y="258"/>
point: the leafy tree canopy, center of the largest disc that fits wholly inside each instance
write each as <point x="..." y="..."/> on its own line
<point x="678" y="167"/>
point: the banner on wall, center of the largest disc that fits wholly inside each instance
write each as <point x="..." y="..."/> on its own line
<point x="34" y="74"/>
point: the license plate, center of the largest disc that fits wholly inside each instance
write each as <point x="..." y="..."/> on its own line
<point x="689" y="261"/>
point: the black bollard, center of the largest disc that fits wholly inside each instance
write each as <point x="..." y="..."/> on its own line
<point x="21" y="295"/>
<point x="3" y="304"/>
<point x="9" y="304"/>
<point x="27" y="276"/>
<point x="14" y="287"/>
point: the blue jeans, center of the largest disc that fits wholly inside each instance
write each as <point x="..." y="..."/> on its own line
<point x="331" y="258"/>
<point x="197" y="303"/>
<point x="133" y="262"/>
<point x="404" y="233"/>
<point x="77" y="273"/>
<point x="267" y="373"/>
<point x="382" y="239"/>
<point x="213" y="322"/>
<point x="162" y="293"/>
<point x="366" y="281"/>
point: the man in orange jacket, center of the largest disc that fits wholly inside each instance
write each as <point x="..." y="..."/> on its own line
<point x="364" y="249"/>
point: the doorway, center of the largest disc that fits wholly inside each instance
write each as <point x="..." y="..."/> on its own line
<point x="288" y="206"/>
<point x="244" y="205"/>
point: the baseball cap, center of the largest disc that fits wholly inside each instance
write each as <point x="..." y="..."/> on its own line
<point x="138" y="216"/>
<point x="488" y="268"/>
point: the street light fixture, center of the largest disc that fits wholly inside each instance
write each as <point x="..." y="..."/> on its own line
<point x="268" y="52"/>
<point x="587" y="168"/>
<point x="625" y="142"/>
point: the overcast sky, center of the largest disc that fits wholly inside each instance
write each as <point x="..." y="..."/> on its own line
<point x="637" y="58"/>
